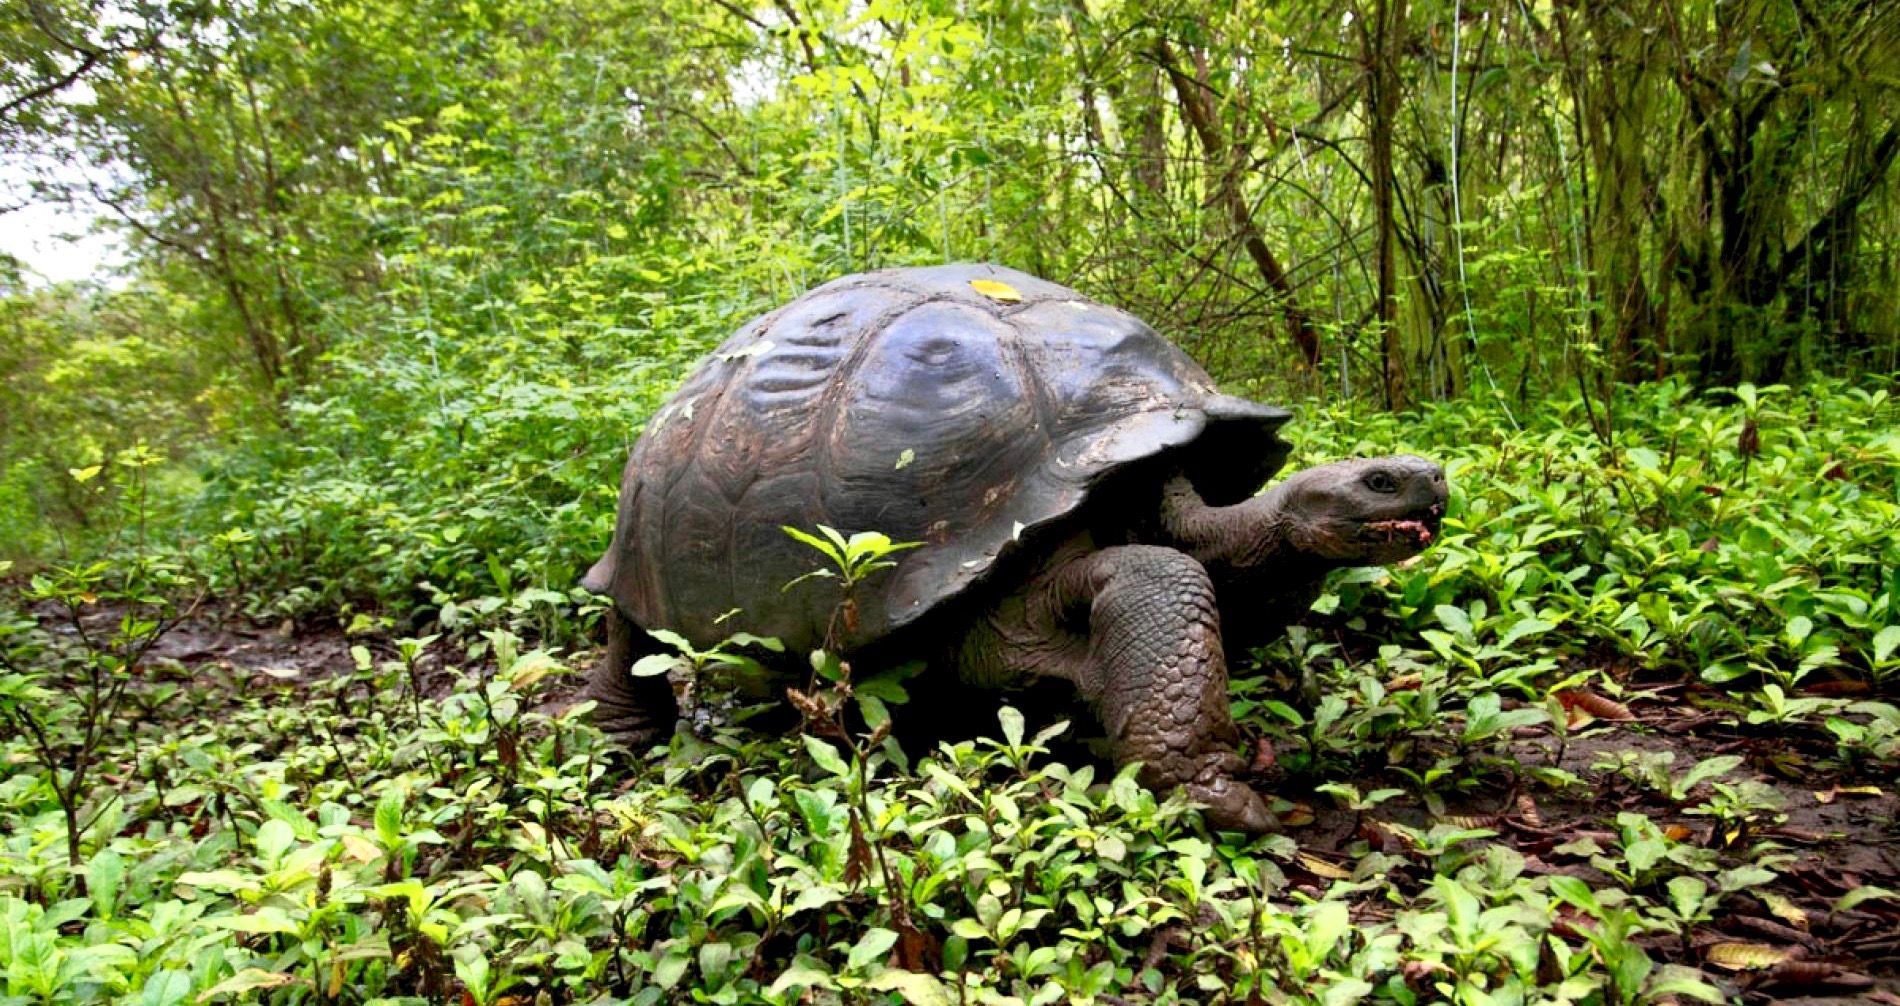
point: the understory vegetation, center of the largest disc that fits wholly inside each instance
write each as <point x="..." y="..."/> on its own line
<point x="295" y="496"/>
<point x="1570" y="754"/>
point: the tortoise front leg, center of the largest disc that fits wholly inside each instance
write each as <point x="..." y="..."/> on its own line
<point x="636" y="712"/>
<point x="1157" y="675"/>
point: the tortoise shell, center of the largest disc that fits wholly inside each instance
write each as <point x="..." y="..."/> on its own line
<point x="910" y="402"/>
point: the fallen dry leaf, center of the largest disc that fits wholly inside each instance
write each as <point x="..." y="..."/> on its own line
<point x="1828" y="795"/>
<point x="1589" y="702"/>
<point x="1747" y="956"/>
<point x="1299" y="817"/>
<point x="1527" y="811"/>
<point x="1784" y="909"/>
<point x="1322" y="868"/>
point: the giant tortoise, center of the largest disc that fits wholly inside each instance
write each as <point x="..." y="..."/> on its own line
<point x="1084" y="497"/>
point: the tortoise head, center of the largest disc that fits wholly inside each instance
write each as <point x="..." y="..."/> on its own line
<point x="1363" y="512"/>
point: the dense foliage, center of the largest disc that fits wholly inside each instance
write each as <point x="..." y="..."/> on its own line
<point x="292" y="508"/>
<point x="415" y="212"/>
<point x="413" y="821"/>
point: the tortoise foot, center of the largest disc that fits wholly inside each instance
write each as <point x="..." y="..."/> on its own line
<point x="1230" y="805"/>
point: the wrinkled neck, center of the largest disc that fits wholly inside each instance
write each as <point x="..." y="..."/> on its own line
<point x="1263" y="574"/>
<point x="1264" y="528"/>
<point x="1281" y="542"/>
<point x="1258" y="537"/>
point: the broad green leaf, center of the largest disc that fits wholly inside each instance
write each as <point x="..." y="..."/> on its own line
<point x="826" y="756"/>
<point x="715" y="957"/>
<point x="873" y="945"/>
<point x="166" y="987"/>
<point x="105" y="875"/>
<point x="815" y="896"/>
<point x="654" y="665"/>
<point x="265" y="920"/>
<point x="1885" y="642"/>
<point x="672" y="639"/>
<point x="274" y="837"/>
<point x="1012" y="720"/>
<point x="1327" y="923"/>
<point x="1576" y="893"/>
<point x="1461" y="906"/>
<point x="831" y="549"/>
<point x="671" y="968"/>
<point x="1866" y="893"/>
<point x="218" y="880"/>
<point x="804" y="973"/>
<point x="748" y="639"/>
<point x="389" y="817"/>
<point x="1643" y="854"/>
<point x="1455" y="619"/>
<point x="969" y="929"/>
<point x="1346" y="992"/>
<point x="1704" y="770"/>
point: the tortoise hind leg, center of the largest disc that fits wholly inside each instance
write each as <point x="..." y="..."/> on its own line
<point x="1157" y="674"/>
<point x="635" y="712"/>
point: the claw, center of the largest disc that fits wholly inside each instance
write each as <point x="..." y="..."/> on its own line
<point x="1232" y="806"/>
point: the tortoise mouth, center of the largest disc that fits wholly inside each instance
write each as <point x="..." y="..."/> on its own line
<point x="1416" y="528"/>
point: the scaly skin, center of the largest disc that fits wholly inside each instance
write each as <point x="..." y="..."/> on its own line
<point x="636" y="712"/>
<point x="1137" y="627"/>
<point x="1147" y="653"/>
<point x="1157" y="674"/>
<point x="1270" y="555"/>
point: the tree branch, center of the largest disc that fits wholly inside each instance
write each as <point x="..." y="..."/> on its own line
<point x="52" y="87"/>
<point x="1845" y="207"/>
<point x="1193" y="101"/>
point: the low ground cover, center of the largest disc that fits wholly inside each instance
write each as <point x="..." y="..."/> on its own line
<point x="1626" y="734"/>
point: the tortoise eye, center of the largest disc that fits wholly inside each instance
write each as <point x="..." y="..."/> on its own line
<point x="1382" y="482"/>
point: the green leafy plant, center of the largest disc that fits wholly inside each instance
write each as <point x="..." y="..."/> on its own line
<point x="720" y="658"/>
<point x="852" y="559"/>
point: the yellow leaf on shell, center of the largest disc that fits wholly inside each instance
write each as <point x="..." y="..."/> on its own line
<point x="995" y="290"/>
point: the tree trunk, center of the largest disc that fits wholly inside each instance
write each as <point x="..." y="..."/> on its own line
<point x="1379" y="47"/>
<point x="1197" y="108"/>
<point x="1616" y="123"/>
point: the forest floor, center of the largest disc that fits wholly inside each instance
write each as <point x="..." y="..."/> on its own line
<point x="1839" y="834"/>
<point x="1780" y="941"/>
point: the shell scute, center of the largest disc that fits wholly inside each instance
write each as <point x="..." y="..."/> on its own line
<point x="906" y="402"/>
